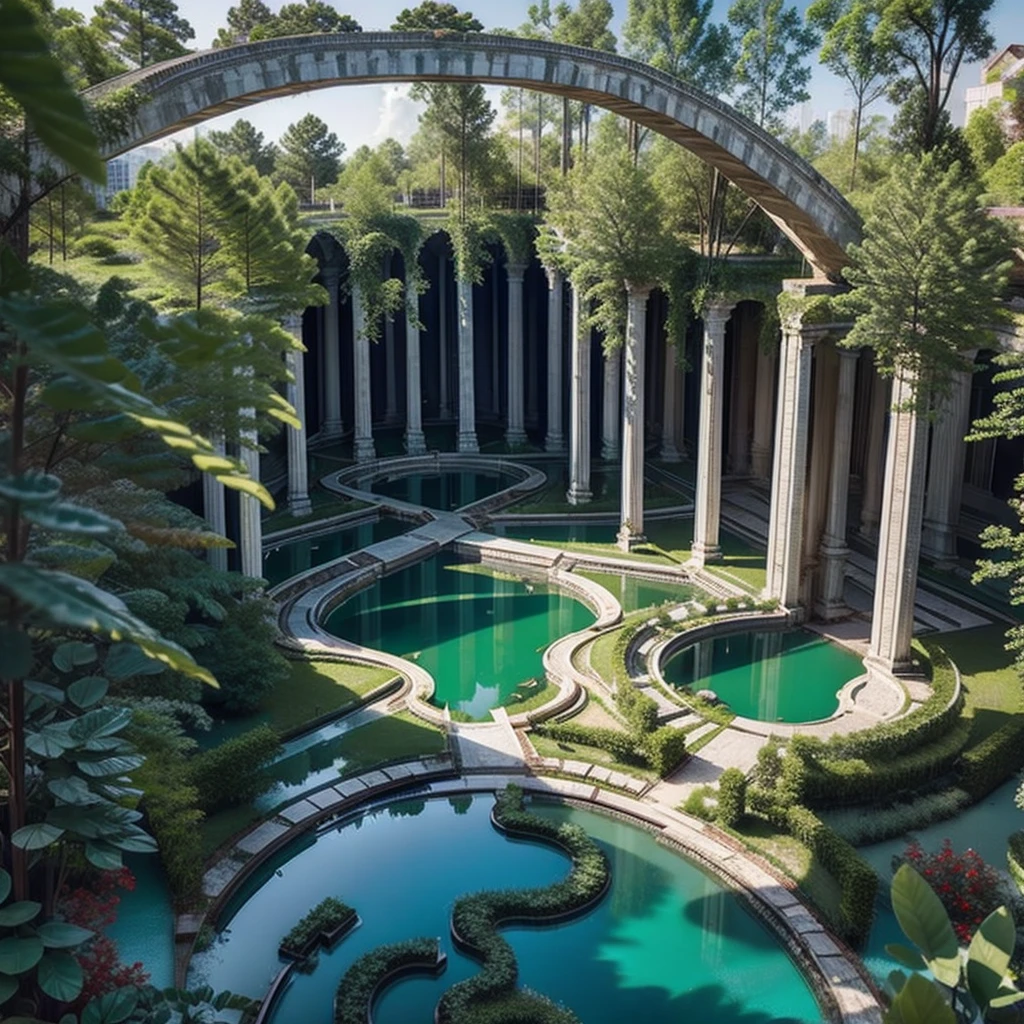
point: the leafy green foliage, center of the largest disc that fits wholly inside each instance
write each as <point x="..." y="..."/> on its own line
<point x="243" y="141"/>
<point x="232" y="773"/>
<point x="363" y="980"/>
<point x="143" y="32"/>
<point x="732" y="792"/>
<point x="310" y="155"/>
<point x="317" y="927"/>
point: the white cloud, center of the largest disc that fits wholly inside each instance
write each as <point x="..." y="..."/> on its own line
<point x="398" y="117"/>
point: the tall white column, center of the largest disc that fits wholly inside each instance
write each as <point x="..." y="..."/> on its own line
<point x="415" y="443"/>
<point x="515" y="434"/>
<point x="871" y="490"/>
<point x="214" y="511"/>
<point x="670" y="415"/>
<point x="298" y="470"/>
<point x="467" y="387"/>
<point x="611" y="406"/>
<point x="830" y="604"/>
<point x="390" y="367"/>
<point x="362" y="436"/>
<point x="579" y="408"/>
<point x="631" y="516"/>
<point x="899" y="535"/>
<point x="250" y="539"/>
<point x="555" y="442"/>
<point x="764" y="409"/>
<point x="789" y="468"/>
<point x="946" y="472"/>
<point x="708" y="498"/>
<point x="445" y="410"/>
<point x="331" y="426"/>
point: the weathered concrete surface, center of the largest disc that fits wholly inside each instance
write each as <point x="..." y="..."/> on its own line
<point x="188" y="90"/>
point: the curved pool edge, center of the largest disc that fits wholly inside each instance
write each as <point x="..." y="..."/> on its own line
<point x="839" y="980"/>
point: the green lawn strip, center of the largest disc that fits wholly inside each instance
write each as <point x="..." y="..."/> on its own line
<point x="318" y="688"/>
<point x="992" y="686"/>
<point x="325" y="505"/>
<point x="546" y="692"/>
<point x="547" y="747"/>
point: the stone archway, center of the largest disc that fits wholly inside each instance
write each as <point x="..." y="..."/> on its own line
<point x="188" y="90"/>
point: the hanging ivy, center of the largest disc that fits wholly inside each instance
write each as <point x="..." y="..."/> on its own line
<point x="516" y="232"/>
<point x="469" y="243"/>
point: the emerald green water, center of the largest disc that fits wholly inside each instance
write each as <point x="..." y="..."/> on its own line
<point x="774" y="677"/>
<point x="634" y="593"/>
<point x="445" y="491"/>
<point x="296" y="556"/>
<point x="480" y="637"/>
<point x="667" y="944"/>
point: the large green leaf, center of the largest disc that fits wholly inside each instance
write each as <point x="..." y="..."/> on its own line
<point x="103" y="856"/>
<point x="70" y="518"/>
<point x="120" y="765"/>
<point x="5" y="885"/>
<point x="126" y="660"/>
<point x="73" y="654"/>
<point x="33" y="76"/>
<point x="15" y="653"/>
<point x="19" y="954"/>
<point x="920" y="1001"/>
<point x="73" y="790"/>
<point x="31" y="488"/>
<point x="906" y="956"/>
<point x="87" y="691"/>
<point x="60" y="976"/>
<point x="113" y="1008"/>
<point x="99" y="722"/>
<point x="36" y="836"/>
<point x="62" y="600"/>
<point x="50" y="741"/>
<point x="19" y="913"/>
<point x="922" y="916"/>
<point x="8" y="986"/>
<point x="61" y="935"/>
<point x="135" y="842"/>
<point x="988" y="956"/>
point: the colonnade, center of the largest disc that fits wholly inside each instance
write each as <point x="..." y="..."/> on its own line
<point x="794" y="409"/>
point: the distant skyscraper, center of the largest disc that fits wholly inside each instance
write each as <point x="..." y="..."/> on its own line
<point x="123" y="171"/>
<point x="840" y="125"/>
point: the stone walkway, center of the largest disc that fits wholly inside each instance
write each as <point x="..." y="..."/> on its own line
<point x="488" y="745"/>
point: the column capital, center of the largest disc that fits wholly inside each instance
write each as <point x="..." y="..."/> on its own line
<point x="292" y="323"/>
<point x="637" y="290"/>
<point x="515" y="271"/>
<point x="555" y="277"/>
<point x="717" y="312"/>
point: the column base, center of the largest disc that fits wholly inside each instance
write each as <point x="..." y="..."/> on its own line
<point x="669" y="452"/>
<point x="515" y="438"/>
<point x="938" y="542"/>
<point x="415" y="443"/>
<point x="445" y="413"/>
<point x="878" y="667"/>
<point x="299" y="505"/>
<point x="467" y="443"/>
<point x="577" y="496"/>
<point x="760" y="462"/>
<point x="554" y="443"/>
<point x="830" y="605"/>
<point x="363" y="450"/>
<point x="610" y="452"/>
<point x="869" y="531"/>
<point x="626" y="539"/>
<point x="330" y="430"/>
<point x="701" y="553"/>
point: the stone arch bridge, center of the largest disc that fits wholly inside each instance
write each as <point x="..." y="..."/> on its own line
<point x="188" y="90"/>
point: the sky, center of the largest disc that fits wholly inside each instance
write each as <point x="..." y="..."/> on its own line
<point x="370" y="114"/>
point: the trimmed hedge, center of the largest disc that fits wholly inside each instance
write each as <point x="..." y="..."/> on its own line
<point x="732" y="796"/>
<point x="857" y="880"/>
<point x="232" y="772"/>
<point x="317" y="927"/>
<point x="621" y="745"/>
<point x="476" y="919"/>
<point x="641" y="711"/>
<point x="664" y="748"/>
<point x="994" y="760"/>
<point x="360" y="984"/>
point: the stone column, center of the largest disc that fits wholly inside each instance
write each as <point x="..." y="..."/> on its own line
<point x="669" y="414"/>
<point x="214" y="511"/>
<point x="515" y="434"/>
<point x="899" y="535"/>
<point x="445" y="409"/>
<point x="579" y="408"/>
<point x="467" y="386"/>
<point x="611" y="407"/>
<point x="946" y="472"/>
<point x="708" y="497"/>
<point x="415" y="443"/>
<point x="744" y="368"/>
<point x="631" y="513"/>
<point x="390" y="369"/>
<point x="871" y="492"/>
<point x="331" y="426"/>
<point x="764" y="408"/>
<point x="250" y="539"/>
<point x="834" y="551"/>
<point x="789" y="469"/>
<point x="362" y="436"/>
<point x="554" y="442"/>
<point x="298" y="470"/>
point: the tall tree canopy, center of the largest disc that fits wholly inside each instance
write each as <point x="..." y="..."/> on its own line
<point x="432" y="16"/>
<point x="245" y="142"/>
<point x="310" y="156"/>
<point x="143" y="32"/>
<point x="252" y="20"/>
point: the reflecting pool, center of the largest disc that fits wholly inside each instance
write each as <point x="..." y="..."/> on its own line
<point x="667" y="943"/>
<point x="446" y="490"/>
<point x="789" y="676"/>
<point x="480" y="636"/>
<point x="634" y="593"/>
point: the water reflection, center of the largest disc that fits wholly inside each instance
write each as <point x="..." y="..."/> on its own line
<point x="445" y="491"/>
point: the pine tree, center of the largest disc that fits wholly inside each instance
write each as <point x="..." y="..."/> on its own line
<point x="242" y="140"/>
<point x="143" y="32"/>
<point x="310" y="156"/>
<point x="243" y="18"/>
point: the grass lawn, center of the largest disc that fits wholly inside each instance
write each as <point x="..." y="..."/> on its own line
<point x="992" y="686"/>
<point x="516" y="705"/>
<point x="389" y="739"/>
<point x="325" y="504"/>
<point x="548" y="747"/>
<point x="318" y="688"/>
<point x="601" y="651"/>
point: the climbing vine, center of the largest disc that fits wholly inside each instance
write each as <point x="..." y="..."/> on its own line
<point x="516" y="232"/>
<point x="469" y="243"/>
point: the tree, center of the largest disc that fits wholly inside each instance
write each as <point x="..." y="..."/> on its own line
<point x="850" y="50"/>
<point x="431" y="16"/>
<point x="928" y="41"/>
<point x="1004" y="183"/>
<point x="928" y="276"/>
<point x="309" y="18"/>
<point x="242" y="20"/>
<point x="770" y="74"/>
<point x="310" y="156"/>
<point x="143" y="32"/>
<point x="676" y="36"/>
<point x="242" y="140"/>
<point x="985" y="138"/>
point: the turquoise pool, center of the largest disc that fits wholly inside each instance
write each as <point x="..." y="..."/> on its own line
<point x="444" y="490"/>
<point x="667" y="943"/>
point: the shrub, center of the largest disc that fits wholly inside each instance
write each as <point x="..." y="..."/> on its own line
<point x="859" y="828"/>
<point x="324" y="919"/>
<point x="232" y="773"/>
<point x="621" y="745"/>
<point x="769" y="765"/>
<point x="1015" y="858"/>
<point x="95" y="245"/>
<point x="792" y="781"/>
<point x="995" y="759"/>
<point x="700" y="803"/>
<point x="732" y="794"/>
<point x="360" y="982"/>
<point x="641" y="711"/>
<point x="665" y="748"/>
